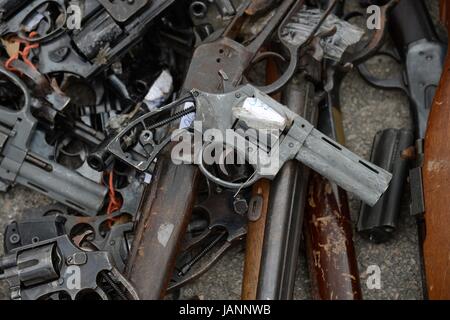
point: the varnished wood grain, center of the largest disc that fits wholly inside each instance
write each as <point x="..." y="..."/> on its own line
<point x="329" y="243"/>
<point x="436" y="174"/>
<point x="254" y="243"/>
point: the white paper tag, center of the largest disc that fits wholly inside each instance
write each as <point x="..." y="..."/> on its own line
<point x="188" y="119"/>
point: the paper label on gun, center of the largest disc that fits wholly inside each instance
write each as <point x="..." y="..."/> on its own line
<point x="258" y="115"/>
<point x="188" y="119"/>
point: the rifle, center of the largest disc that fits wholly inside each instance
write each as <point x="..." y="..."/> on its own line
<point x="421" y="55"/>
<point x="328" y="228"/>
<point x="436" y="174"/>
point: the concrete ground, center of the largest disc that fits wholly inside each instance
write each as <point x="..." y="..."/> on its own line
<point x="365" y="111"/>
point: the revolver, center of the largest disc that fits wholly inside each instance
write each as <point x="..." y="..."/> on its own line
<point x="57" y="269"/>
<point x="19" y="163"/>
<point x="226" y="120"/>
<point x="107" y="30"/>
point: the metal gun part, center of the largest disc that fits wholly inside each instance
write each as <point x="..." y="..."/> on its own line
<point x="378" y="223"/>
<point x="47" y="268"/>
<point x="18" y="164"/>
<point x="299" y="140"/>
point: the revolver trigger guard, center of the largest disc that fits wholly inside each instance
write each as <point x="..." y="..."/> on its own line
<point x="142" y="165"/>
<point x="226" y="184"/>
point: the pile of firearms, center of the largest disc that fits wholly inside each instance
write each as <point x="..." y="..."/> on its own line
<point x="168" y="132"/>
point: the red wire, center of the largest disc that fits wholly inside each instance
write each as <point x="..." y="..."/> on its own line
<point x="23" y="54"/>
<point x="115" y="203"/>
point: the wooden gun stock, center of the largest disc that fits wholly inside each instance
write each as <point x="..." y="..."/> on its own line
<point x="328" y="228"/>
<point x="328" y="234"/>
<point x="165" y="215"/>
<point x="254" y="243"/>
<point x="436" y="176"/>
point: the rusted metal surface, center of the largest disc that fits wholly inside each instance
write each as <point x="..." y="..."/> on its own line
<point x="219" y="66"/>
<point x="164" y="219"/>
<point x="258" y="6"/>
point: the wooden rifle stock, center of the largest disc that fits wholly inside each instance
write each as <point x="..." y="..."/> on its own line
<point x="165" y="214"/>
<point x="328" y="229"/>
<point x="436" y="176"/>
<point x="254" y="243"/>
<point x="328" y="233"/>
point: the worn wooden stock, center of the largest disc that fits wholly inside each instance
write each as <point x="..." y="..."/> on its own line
<point x="328" y="234"/>
<point x="436" y="177"/>
<point x="328" y="230"/>
<point x="254" y="243"/>
<point x="165" y="214"/>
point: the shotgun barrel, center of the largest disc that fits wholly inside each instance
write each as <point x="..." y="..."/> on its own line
<point x="256" y="226"/>
<point x="286" y="208"/>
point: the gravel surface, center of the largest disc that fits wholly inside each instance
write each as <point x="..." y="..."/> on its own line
<point x="365" y="111"/>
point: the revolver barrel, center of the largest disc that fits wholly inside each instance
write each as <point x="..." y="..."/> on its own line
<point x="338" y="164"/>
